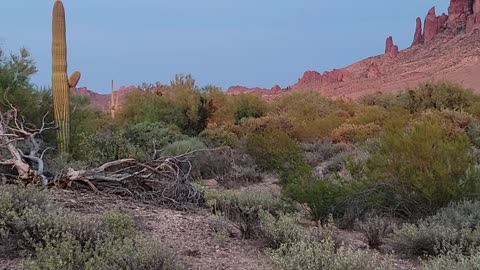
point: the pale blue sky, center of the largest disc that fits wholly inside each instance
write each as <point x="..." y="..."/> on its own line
<point x="220" y="42"/>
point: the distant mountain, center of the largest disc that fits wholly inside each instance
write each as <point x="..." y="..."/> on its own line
<point x="447" y="47"/>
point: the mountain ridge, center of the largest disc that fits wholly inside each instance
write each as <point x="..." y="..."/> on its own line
<point x="447" y="47"/>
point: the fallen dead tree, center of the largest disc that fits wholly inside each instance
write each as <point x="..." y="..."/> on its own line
<point x="21" y="147"/>
<point x="162" y="180"/>
<point x="165" y="180"/>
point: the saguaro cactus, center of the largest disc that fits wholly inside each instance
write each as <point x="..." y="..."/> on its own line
<point x="113" y="102"/>
<point x="61" y="84"/>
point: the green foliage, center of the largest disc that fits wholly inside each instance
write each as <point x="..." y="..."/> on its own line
<point x="280" y="230"/>
<point x="275" y="150"/>
<point x="313" y="255"/>
<point x="243" y="208"/>
<point x="56" y="238"/>
<point x="453" y="260"/>
<point x="181" y="104"/>
<point x="16" y="71"/>
<point x="429" y="95"/>
<point x="323" y="198"/>
<point x="458" y="215"/>
<point x="128" y="254"/>
<point x="454" y="228"/>
<point x="105" y="145"/>
<point x="375" y="229"/>
<point x="248" y="105"/>
<point x="150" y="136"/>
<point x="424" y="159"/>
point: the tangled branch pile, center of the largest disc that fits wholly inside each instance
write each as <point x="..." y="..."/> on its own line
<point x="164" y="180"/>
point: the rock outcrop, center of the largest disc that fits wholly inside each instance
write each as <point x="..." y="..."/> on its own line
<point x="463" y="17"/>
<point x="418" y="37"/>
<point x="390" y="48"/>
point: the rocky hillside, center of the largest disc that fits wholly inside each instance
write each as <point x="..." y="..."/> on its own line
<point x="444" y="47"/>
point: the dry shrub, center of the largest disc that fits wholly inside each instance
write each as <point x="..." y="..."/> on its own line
<point x="352" y="133"/>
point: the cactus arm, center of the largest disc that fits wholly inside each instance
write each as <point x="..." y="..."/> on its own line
<point x="74" y="79"/>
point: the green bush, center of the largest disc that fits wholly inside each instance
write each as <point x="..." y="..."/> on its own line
<point x="324" y="255"/>
<point x="453" y="260"/>
<point x="376" y="229"/>
<point x="249" y="106"/>
<point x="150" y="136"/>
<point x="274" y="150"/>
<point x="136" y="253"/>
<point x="243" y="208"/>
<point x="458" y="215"/>
<point x="324" y="198"/>
<point x="55" y="238"/>
<point x="105" y="145"/>
<point x="455" y="227"/>
<point x="425" y="161"/>
<point x="280" y="230"/>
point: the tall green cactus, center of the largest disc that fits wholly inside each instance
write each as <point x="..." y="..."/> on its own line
<point x="61" y="84"/>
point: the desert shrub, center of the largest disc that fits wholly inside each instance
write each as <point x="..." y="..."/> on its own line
<point x="324" y="198"/>
<point x="130" y="253"/>
<point x="181" y="103"/>
<point x="322" y="151"/>
<point x="281" y="229"/>
<point x="473" y="132"/>
<point x="55" y="238"/>
<point x="119" y="224"/>
<point x="150" y="136"/>
<point x="220" y="106"/>
<point x="37" y="221"/>
<point x="204" y="163"/>
<point x="428" y="95"/>
<point x="324" y="255"/>
<point x="215" y="135"/>
<point x="438" y="95"/>
<point x="425" y="162"/>
<point x="312" y="130"/>
<point x="275" y="150"/>
<point x="458" y="215"/>
<point x="312" y="115"/>
<point x="243" y="208"/>
<point x="454" y="227"/>
<point x="326" y="157"/>
<point x="352" y="133"/>
<point x="105" y="145"/>
<point x="369" y="115"/>
<point x="239" y="169"/>
<point x="453" y="260"/>
<point x="376" y="229"/>
<point x="383" y="100"/>
<point x="141" y="107"/>
<point x="421" y="239"/>
<point x="305" y="106"/>
<point x="474" y="109"/>
<point x="249" y="106"/>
